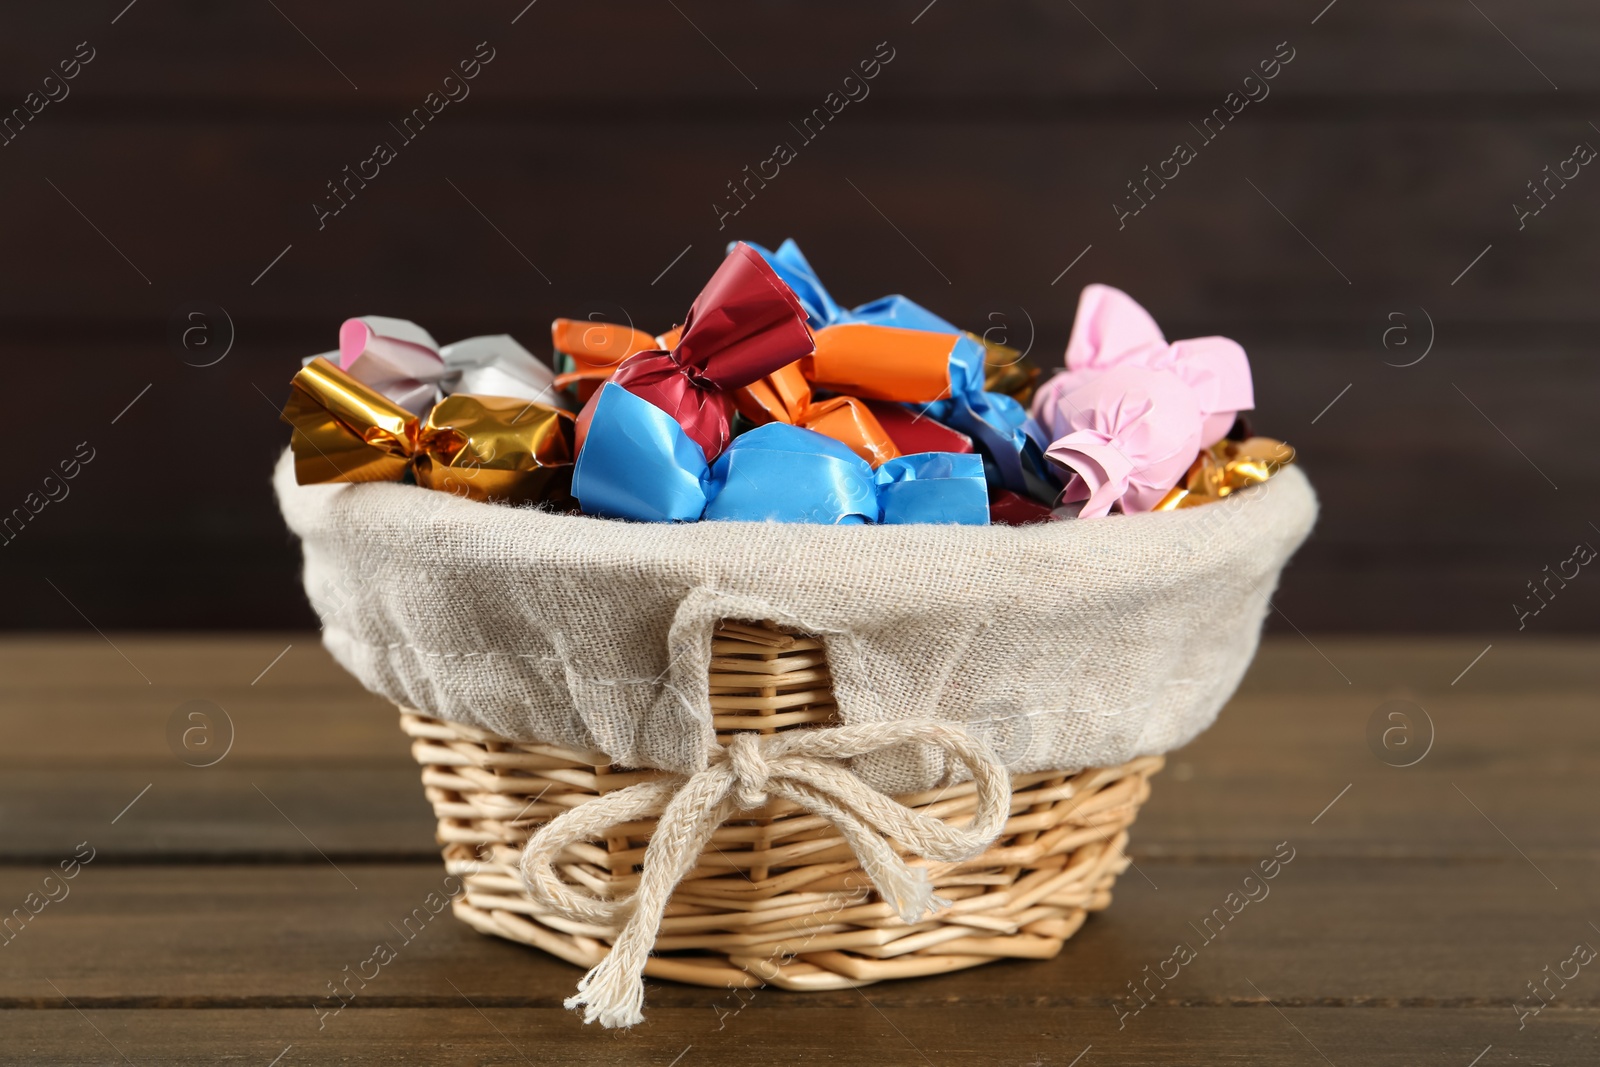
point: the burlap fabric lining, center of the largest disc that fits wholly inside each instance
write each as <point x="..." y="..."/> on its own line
<point x="1064" y="645"/>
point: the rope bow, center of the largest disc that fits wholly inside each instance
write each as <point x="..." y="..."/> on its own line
<point x="800" y="766"/>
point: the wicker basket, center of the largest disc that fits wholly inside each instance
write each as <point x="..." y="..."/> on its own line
<point x="778" y="897"/>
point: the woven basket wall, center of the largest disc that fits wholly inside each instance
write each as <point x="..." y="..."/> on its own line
<point x="778" y="898"/>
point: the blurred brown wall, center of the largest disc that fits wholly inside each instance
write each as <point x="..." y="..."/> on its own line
<point x="1358" y="207"/>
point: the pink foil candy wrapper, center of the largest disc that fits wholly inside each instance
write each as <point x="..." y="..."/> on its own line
<point x="1123" y="437"/>
<point x="1112" y="330"/>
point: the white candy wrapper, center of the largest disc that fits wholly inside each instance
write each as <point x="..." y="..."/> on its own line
<point x="402" y="361"/>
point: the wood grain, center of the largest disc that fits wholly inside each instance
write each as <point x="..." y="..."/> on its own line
<point x="868" y="1034"/>
<point x="1418" y="904"/>
<point x="1323" y="932"/>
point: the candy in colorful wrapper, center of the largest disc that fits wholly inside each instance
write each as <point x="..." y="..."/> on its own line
<point x="894" y="349"/>
<point x="1013" y="509"/>
<point x="876" y="361"/>
<point x="1005" y="372"/>
<point x="396" y="357"/>
<point x="911" y="431"/>
<point x="785" y="396"/>
<point x="1225" y="468"/>
<point x="1125" y="436"/>
<point x="480" y="447"/>
<point x="1012" y="442"/>
<point x="590" y="351"/>
<point x="496" y="365"/>
<point x="401" y="360"/>
<point x="1112" y="330"/>
<point x="647" y="468"/>
<point x="941" y="376"/>
<point x="744" y="325"/>
<point x="889" y="349"/>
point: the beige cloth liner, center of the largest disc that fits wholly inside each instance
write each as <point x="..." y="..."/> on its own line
<point x="1063" y="645"/>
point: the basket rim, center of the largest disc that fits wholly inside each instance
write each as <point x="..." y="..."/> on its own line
<point x="434" y="504"/>
<point x="598" y="626"/>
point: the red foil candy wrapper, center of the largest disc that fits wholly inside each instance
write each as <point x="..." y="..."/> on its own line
<point x="1013" y="509"/>
<point x="745" y="324"/>
<point x="913" y="433"/>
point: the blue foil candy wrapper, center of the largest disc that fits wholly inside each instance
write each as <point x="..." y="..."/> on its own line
<point x="637" y="463"/>
<point x="1012" y="441"/>
<point x="790" y="264"/>
<point x="939" y="487"/>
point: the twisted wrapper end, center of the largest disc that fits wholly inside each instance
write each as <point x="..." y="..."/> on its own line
<point x="803" y="767"/>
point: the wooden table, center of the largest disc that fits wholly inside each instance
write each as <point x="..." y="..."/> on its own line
<point x="221" y="901"/>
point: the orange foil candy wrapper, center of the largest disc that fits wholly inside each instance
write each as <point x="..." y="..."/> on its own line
<point x="878" y="362"/>
<point x="595" y="350"/>
<point x="479" y="447"/>
<point x="1225" y="468"/>
<point x="785" y="396"/>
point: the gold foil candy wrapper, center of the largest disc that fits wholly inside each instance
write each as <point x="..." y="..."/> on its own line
<point x="1225" y="468"/>
<point x="479" y="447"/>
<point x="345" y="431"/>
<point x="1005" y="371"/>
<point x="497" y="448"/>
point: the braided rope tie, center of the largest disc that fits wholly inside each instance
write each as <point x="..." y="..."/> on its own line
<point x="800" y="766"/>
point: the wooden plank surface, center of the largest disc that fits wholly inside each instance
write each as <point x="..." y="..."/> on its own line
<point x="1326" y="932"/>
<point x="867" y="1034"/>
<point x="218" y="906"/>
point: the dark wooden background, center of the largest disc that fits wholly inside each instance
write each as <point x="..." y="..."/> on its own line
<point x="985" y="160"/>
